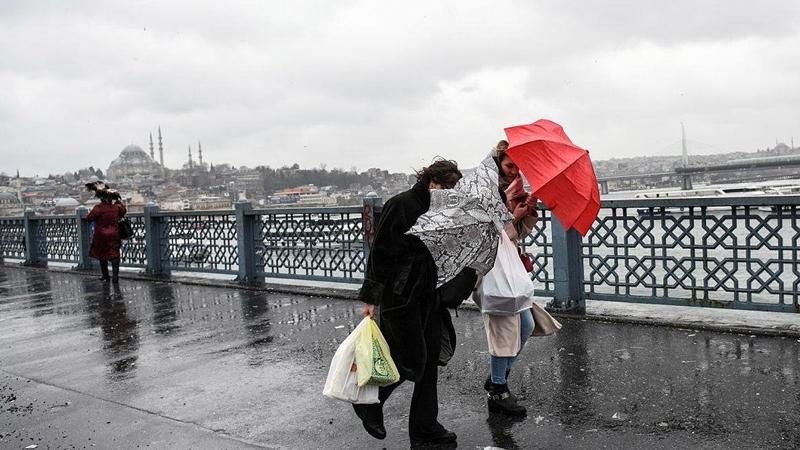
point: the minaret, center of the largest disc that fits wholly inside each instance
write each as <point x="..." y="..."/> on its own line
<point x="683" y="143"/>
<point x="190" y="158"/>
<point x="200" y="154"/>
<point x="152" y="155"/>
<point x="160" y="148"/>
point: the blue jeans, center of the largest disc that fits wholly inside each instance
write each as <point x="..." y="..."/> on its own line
<point x="502" y="363"/>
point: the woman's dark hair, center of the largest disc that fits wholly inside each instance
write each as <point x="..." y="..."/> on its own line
<point x="501" y="155"/>
<point x="442" y="171"/>
<point x="501" y="151"/>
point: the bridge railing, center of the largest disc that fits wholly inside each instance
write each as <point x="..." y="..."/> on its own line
<point x="739" y="252"/>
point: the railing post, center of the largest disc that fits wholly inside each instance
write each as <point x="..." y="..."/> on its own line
<point x="34" y="247"/>
<point x="85" y="262"/>
<point x="246" y="232"/>
<point x="604" y="187"/>
<point x="371" y="203"/>
<point x="686" y="182"/>
<point x="157" y="258"/>
<point x="568" y="264"/>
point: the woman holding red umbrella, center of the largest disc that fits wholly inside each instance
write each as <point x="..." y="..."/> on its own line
<point x="507" y="334"/>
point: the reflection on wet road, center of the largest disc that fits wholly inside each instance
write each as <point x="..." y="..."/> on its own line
<point x="251" y="364"/>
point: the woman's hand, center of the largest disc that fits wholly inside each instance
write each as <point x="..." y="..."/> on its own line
<point x="533" y="206"/>
<point x="368" y="310"/>
<point x="520" y="211"/>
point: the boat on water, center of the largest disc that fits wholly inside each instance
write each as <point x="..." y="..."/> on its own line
<point x="768" y="188"/>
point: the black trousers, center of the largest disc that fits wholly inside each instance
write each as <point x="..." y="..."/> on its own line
<point x="422" y="419"/>
<point x="114" y="268"/>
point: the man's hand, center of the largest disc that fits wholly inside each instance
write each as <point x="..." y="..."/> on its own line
<point x="369" y="310"/>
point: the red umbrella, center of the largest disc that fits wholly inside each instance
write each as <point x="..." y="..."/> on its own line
<point x="560" y="173"/>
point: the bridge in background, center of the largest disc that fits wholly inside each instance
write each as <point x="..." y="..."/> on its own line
<point x="684" y="174"/>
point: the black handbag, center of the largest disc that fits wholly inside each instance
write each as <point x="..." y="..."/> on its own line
<point x="455" y="291"/>
<point x="125" y="228"/>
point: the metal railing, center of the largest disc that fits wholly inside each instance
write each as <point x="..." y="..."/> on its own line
<point x="312" y="244"/>
<point x="739" y="252"/>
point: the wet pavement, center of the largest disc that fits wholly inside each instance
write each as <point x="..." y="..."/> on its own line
<point x="154" y="364"/>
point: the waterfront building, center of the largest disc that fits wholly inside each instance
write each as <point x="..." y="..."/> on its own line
<point x="207" y="202"/>
<point x="308" y="195"/>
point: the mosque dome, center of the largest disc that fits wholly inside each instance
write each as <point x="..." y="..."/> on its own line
<point x="133" y="151"/>
<point x="133" y="161"/>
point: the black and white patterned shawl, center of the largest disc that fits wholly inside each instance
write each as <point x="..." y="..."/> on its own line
<point x="462" y="226"/>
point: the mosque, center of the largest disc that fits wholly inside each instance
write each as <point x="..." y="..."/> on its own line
<point x="135" y="163"/>
<point x="134" y="167"/>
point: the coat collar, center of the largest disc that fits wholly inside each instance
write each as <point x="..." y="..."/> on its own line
<point x="421" y="193"/>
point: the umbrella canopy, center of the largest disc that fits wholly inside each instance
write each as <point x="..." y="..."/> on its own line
<point x="462" y="225"/>
<point x="560" y="173"/>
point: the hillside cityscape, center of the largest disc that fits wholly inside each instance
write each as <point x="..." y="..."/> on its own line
<point x="142" y="178"/>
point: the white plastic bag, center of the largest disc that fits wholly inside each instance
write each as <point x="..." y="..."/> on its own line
<point x="342" y="381"/>
<point x="507" y="289"/>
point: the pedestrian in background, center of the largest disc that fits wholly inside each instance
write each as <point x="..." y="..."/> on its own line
<point x="106" y="241"/>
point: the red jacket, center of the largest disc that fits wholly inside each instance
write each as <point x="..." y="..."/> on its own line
<point x="105" y="241"/>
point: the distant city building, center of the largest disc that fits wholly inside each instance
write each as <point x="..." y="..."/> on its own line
<point x="249" y="181"/>
<point x="307" y="195"/>
<point x="133" y="162"/>
<point x="205" y="202"/>
<point x="10" y="204"/>
<point x="65" y="205"/>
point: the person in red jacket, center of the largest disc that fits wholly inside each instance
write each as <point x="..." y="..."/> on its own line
<point x="106" y="242"/>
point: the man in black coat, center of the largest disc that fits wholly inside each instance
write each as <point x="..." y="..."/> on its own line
<point x="401" y="279"/>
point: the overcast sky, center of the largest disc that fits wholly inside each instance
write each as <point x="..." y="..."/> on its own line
<point x="389" y="84"/>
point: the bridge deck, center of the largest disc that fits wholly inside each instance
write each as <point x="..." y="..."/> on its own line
<point x="185" y="366"/>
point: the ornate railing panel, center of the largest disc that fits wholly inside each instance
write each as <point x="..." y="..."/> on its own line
<point x="59" y="234"/>
<point x="12" y="237"/>
<point x="133" y="252"/>
<point x="313" y="244"/>
<point x="739" y="252"/>
<point x="539" y="245"/>
<point x="201" y="241"/>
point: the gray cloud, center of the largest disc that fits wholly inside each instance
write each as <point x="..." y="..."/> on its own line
<point x="387" y="84"/>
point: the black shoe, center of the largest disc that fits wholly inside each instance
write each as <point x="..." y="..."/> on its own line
<point x="115" y="280"/>
<point x="443" y="438"/>
<point x="105" y="278"/>
<point x="500" y="400"/>
<point x="372" y="418"/>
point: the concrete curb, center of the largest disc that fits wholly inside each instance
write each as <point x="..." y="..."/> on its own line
<point x="781" y="324"/>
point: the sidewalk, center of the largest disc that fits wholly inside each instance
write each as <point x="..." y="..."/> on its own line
<point x="172" y="365"/>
